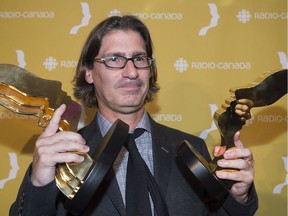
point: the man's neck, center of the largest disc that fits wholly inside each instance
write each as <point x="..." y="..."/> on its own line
<point x="132" y="119"/>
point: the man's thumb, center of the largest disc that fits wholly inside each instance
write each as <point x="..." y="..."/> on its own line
<point x="53" y="125"/>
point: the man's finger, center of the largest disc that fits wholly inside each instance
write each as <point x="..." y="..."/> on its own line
<point x="238" y="143"/>
<point x="53" y="126"/>
<point x="219" y="150"/>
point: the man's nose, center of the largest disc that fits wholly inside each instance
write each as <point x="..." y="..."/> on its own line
<point x="130" y="70"/>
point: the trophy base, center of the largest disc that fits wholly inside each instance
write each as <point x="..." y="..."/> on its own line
<point x="203" y="171"/>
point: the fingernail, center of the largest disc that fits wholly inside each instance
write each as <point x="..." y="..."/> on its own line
<point x="216" y="150"/>
<point x="222" y="162"/>
<point x="220" y="174"/>
<point x="82" y="159"/>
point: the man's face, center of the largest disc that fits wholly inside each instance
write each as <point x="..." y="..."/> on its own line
<point x="120" y="90"/>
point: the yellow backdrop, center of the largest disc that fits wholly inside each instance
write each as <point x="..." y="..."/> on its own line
<point x="202" y="49"/>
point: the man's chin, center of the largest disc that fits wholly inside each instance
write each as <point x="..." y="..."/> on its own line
<point x="131" y="108"/>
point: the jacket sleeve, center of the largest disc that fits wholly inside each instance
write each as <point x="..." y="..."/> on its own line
<point x="249" y="208"/>
<point x="32" y="200"/>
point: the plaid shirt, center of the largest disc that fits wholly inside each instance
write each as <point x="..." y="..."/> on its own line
<point x="144" y="145"/>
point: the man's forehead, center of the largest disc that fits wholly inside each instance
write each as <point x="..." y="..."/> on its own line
<point x="123" y="43"/>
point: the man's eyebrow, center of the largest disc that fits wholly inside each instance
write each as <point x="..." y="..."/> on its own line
<point x="139" y="53"/>
<point x="123" y="54"/>
<point x="114" y="54"/>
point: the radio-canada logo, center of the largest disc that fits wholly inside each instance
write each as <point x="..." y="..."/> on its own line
<point x="50" y="63"/>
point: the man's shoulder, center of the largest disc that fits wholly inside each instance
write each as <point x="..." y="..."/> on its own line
<point x="175" y="133"/>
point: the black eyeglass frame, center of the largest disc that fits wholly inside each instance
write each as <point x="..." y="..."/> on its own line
<point x="133" y="59"/>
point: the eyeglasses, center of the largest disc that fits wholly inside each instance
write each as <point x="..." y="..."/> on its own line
<point x="140" y="62"/>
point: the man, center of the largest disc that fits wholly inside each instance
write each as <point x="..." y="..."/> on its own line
<point x="116" y="73"/>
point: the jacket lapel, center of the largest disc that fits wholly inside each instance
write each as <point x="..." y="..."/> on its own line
<point x="114" y="194"/>
<point x="163" y="154"/>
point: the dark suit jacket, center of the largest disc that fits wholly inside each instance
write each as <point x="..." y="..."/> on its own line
<point x="183" y="196"/>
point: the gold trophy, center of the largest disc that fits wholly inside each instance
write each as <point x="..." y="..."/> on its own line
<point x="264" y="91"/>
<point x="26" y="94"/>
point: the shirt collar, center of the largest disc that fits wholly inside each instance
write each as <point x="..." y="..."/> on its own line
<point x="105" y="124"/>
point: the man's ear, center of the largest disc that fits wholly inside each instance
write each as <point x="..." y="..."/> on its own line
<point x="88" y="76"/>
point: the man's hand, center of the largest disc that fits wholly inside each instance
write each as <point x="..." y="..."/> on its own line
<point x="239" y="158"/>
<point x="54" y="147"/>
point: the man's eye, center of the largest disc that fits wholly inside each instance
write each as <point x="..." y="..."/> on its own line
<point x="113" y="59"/>
<point x="139" y="58"/>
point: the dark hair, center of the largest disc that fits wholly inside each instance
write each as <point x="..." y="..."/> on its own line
<point x="85" y="91"/>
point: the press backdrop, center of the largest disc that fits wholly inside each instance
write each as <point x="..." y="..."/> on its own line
<point x="202" y="49"/>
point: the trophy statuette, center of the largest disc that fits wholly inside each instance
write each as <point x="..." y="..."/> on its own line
<point x="264" y="91"/>
<point x="24" y="93"/>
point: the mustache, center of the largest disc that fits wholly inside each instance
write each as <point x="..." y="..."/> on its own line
<point x="128" y="82"/>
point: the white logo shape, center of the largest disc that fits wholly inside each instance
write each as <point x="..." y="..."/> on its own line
<point x="114" y="12"/>
<point x="85" y="19"/>
<point x="283" y="59"/>
<point x="278" y="188"/>
<point x="13" y="171"/>
<point x="214" y="19"/>
<point x="205" y="133"/>
<point x="244" y="16"/>
<point x="181" y="65"/>
<point x="21" y="58"/>
<point x="50" y="63"/>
